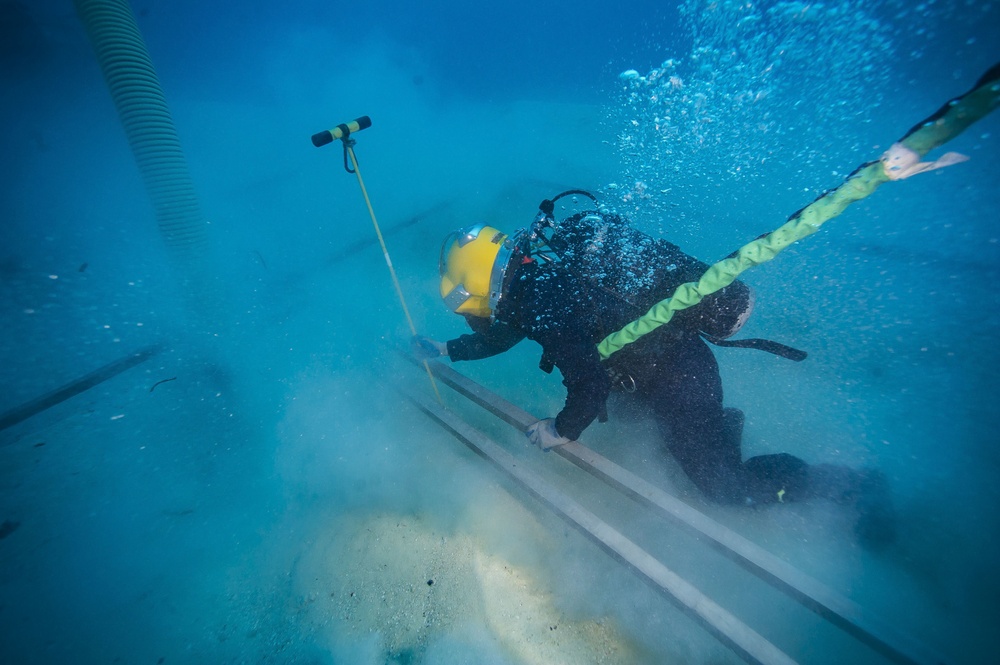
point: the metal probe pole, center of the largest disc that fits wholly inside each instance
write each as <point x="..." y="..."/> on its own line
<point x="343" y="132"/>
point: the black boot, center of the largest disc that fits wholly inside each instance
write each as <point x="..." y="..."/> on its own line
<point x="839" y="484"/>
<point x="867" y="490"/>
<point x="766" y="478"/>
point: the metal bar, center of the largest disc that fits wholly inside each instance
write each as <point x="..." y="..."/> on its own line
<point x="725" y="627"/>
<point x="832" y="606"/>
<point x="100" y="375"/>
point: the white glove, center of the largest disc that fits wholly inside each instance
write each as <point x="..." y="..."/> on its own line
<point x="900" y="162"/>
<point x="544" y="435"/>
<point x="425" y="348"/>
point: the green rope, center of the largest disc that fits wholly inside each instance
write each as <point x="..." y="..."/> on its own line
<point x="950" y="121"/>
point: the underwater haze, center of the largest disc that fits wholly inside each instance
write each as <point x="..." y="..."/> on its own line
<point x="257" y="491"/>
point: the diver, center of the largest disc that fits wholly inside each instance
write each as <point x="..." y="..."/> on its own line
<point x="566" y="285"/>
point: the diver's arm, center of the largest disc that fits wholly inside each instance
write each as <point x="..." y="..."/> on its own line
<point x="587" y="387"/>
<point x="496" y="339"/>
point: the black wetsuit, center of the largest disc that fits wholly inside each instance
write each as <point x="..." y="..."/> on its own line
<point x="672" y="369"/>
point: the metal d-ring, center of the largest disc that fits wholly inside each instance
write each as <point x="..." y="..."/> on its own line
<point x="348" y="143"/>
<point x="626" y="388"/>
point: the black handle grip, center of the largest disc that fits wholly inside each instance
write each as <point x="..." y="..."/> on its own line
<point x="320" y="139"/>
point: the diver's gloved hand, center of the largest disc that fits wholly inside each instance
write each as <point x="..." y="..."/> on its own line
<point x="425" y="348"/>
<point x="900" y="162"/>
<point x="544" y="435"/>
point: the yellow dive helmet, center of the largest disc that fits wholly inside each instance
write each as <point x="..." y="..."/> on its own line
<point x="473" y="264"/>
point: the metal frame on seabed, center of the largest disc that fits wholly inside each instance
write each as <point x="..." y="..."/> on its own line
<point x="728" y="629"/>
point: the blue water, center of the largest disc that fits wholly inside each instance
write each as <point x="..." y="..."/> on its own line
<point x="227" y="514"/>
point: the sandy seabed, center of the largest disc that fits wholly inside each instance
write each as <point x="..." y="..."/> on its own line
<point x="410" y="590"/>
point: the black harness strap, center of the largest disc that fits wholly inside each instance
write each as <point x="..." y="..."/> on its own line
<point x="777" y="348"/>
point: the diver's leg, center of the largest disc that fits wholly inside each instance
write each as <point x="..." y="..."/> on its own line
<point x="705" y="439"/>
<point x="686" y="397"/>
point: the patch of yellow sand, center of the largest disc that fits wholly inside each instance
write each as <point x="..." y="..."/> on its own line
<point x="408" y="582"/>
